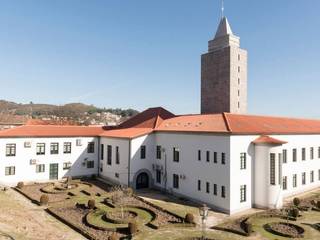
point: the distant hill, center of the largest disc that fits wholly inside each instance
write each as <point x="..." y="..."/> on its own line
<point x="11" y="112"/>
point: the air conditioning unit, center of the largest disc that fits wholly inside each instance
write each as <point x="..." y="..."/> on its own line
<point x="78" y="142"/>
<point x="33" y="161"/>
<point x="27" y="144"/>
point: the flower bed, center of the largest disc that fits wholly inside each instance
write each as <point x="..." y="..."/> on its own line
<point x="284" y="229"/>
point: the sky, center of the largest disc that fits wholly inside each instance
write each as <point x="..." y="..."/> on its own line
<point x="144" y="53"/>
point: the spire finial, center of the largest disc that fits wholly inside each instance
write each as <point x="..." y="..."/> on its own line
<point x="222" y="9"/>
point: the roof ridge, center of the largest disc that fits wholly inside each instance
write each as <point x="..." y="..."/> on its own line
<point x="157" y="118"/>
<point x="224" y="114"/>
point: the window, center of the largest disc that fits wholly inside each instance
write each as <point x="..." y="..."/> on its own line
<point x="208" y="156"/>
<point x="54" y="148"/>
<point x="272" y="169"/>
<point x="208" y="187"/>
<point x="312" y="176"/>
<point x="78" y="142"/>
<point x="143" y="152"/>
<point x="41" y="148"/>
<point x="199" y="185"/>
<point x="66" y="165"/>
<point x="117" y="155"/>
<point x="243" y="160"/>
<point x="319" y="174"/>
<point x="101" y="151"/>
<point x="158" y="152"/>
<point x="215" y="157"/>
<point x="311" y="153"/>
<point x="223" y="191"/>
<point x="294" y="155"/>
<point x="238" y="104"/>
<point x="294" y="180"/>
<point x="215" y="189"/>
<point x="238" y="57"/>
<point x="199" y="155"/>
<point x="223" y="158"/>
<point x="176" y="154"/>
<point x="10" y="171"/>
<point x="175" y="181"/>
<point x="284" y="156"/>
<point x="90" y="164"/>
<point x="303" y="154"/>
<point x="238" y="93"/>
<point x="158" y="176"/>
<point x="109" y="154"/>
<point x="303" y="179"/>
<point x="284" y="183"/>
<point x="239" y="81"/>
<point x="40" y="168"/>
<point x="90" y="148"/>
<point x="318" y="152"/>
<point x="243" y="193"/>
<point x="67" y="147"/>
<point x="10" y="150"/>
<point x="238" y="68"/>
<point x="101" y="167"/>
<point x="116" y="175"/>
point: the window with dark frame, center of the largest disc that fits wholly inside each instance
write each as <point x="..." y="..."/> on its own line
<point x="158" y="152"/>
<point x="101" y="151"/>
<point x="90" y="148"/>
<point x="158" y="176"/>
<point x="311" y="176"/>
<point x="215" y="189"/>
<point x="319" y="174"/>
<point x="243" y="193"/>
<point x="303" y="178"/>
<point x="67" y="147"/>
<point x="294" y="155"/>
<point x="223" y="191"/>
<point x="284" y="156"/>
<point x="208" y="156"/>
<point x="176" y="154"/>
<point x="243" y="161"/>
<point x="199" y="155"/>
<point x="109" y="154"/>
<point x="90" y="164"/>
<point x="66" y="165"/>
<point x="117" y="155"/>
<point x="10" y="150"/>
<point x="175" y="181"/>
<point x="199" y="185"/>
<point x="272" y="169"/>
<point x="311" y="153"/>
<point x="54" y="148"/>
<point x="207" y="187"/>
<point x="318" y="152"/>
<point x="294" y="180"/>
<point x="223" y="158"/>
<point x="215" y="157"/>
<point x="41" y="149"/>
<point x="40" y="168"/>
<point x="143" y="152"/>
<point x="9" y="171"/>
<point x="303" y="154"/>
<point x="284" y="183"/>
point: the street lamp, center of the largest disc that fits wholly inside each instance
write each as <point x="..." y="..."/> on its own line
<point x="203" y="211"/>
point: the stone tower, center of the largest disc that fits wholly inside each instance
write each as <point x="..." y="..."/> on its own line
<point x="224" y="74"/>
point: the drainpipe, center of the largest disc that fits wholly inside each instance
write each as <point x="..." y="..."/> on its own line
<point x="129" y="160"/>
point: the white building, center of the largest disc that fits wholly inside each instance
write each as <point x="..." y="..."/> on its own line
<point x="229" y="161"/>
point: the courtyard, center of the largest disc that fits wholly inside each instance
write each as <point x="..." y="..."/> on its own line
<point x="91" y="209"/>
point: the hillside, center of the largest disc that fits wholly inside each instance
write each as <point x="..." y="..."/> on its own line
<point x="75" y="113"/>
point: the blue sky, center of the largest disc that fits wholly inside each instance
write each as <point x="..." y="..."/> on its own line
<point x="142" y="53"/>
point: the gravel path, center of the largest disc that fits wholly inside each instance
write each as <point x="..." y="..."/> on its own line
<point x="22" y="220"/>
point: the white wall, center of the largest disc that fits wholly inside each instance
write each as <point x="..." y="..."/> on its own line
<point x="24" y="171"/>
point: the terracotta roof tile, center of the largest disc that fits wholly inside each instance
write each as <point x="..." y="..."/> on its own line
<point x="127" y="132"/>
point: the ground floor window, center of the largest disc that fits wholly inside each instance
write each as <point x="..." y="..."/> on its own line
<point x="215" y="189"/>
<point x="319" y="174"/>
<point x="223" y="191"/>
<point x="208" y="187"/>
<point x="272" y="169"/>
<point x="199" y="185"/>
<point x="175" y="181"/>
<point x="66" y="165"/>
<point x="303" y="179"/>
<point x="243" y="193"/>
<point x="311" y="176"/>
<point x="10" y="171"/>
<point x="40" y="168"/>
<point x="158" y="176"/>
<point x="294" y="180"/>
<point x="90" y="164"/>
<point x="284" y="183"/>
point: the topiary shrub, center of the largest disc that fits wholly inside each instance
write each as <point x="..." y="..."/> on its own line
<point x="113" y="237"/>
<point x="128" y="192"/>
<point x="91" y="204"/>
<point x="189" y="218"/>
<point x="93" y="177"/>
<point x="248" y="228"/>
<point x="295" y="212"/>
<point x="318" y="204"/>
<point x="20" y="185"/>
<point x="133" y="227"/>
<point x="44" y="199"/>
<point x="296" y="201"/>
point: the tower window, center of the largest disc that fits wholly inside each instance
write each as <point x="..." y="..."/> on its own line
<point x="238" y="57"/>
<point x="239" y="81"/>
<point x="238" y="68"/>
<point x="238" y="104"/>
<point x="238" y="93"/>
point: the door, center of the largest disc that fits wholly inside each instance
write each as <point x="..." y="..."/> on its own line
<point x="142" y="181"/>
<point x="54" y="171"/>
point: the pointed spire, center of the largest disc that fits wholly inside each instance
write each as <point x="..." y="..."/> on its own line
<point x="224" y="28"/>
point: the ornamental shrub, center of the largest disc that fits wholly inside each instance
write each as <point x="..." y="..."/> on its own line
<point x="20" y="185"/>
<point x="113" y="237"/>
<point x="189" y="218"/>
<point x="296" y="201"/>
<point x="44" y="199"/>
<point x="248" y="228"/>
<point x="318" y="204"/>
<point x="295" y="212"/>
<point x="133" y="227"/>
<point x="91" y="204"/>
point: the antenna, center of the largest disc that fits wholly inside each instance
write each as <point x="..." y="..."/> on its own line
<point x="222" y="9"/>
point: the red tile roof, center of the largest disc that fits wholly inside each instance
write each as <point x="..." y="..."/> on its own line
<point x="127" y="132"/>
<point x="268" y="140"/>
<point x="51" y="131"/>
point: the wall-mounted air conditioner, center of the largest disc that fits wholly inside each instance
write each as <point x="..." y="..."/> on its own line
<point x="33" y="161"/>
<point x="27" y="144"/>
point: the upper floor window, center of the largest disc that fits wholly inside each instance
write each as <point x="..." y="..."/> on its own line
<point x="318" y="152"/>
<point x="117" y="155"/>
<point x="176" y="154"/>
<point x="10" y="150"/>
<point x="239" y="69"/>
<point x="158" y="176"/>
<point x="158" y="152"/>
<point x="284" y="156"/>
<point x="90" y="148"/>
<point x="78" y="142"/>
<point x="303" y="154"/>
<point x="199" y="155"/>
<point x="284" y="183"/>
<point x="208" y="156"/>
<point x="40" y="168"/>
<point x="54" y="148"/>
<point x="243" y="193"/>
<point x="143" y="152"/>
<point x="175" y="181"/>
<point x="109" y="154"/>
<point x="10" y="171"/>
<point x="243" y="160"/>
<point x="215" y="157"/>
<point x="223" y="158"/>
<point x="272" y="169"/>
<point x="311" y="153"/>
<point x="294" y="155"/>
<point x="102" y="151"/>
<point x="41" y="149"/>
<point x="67" y="147"/>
